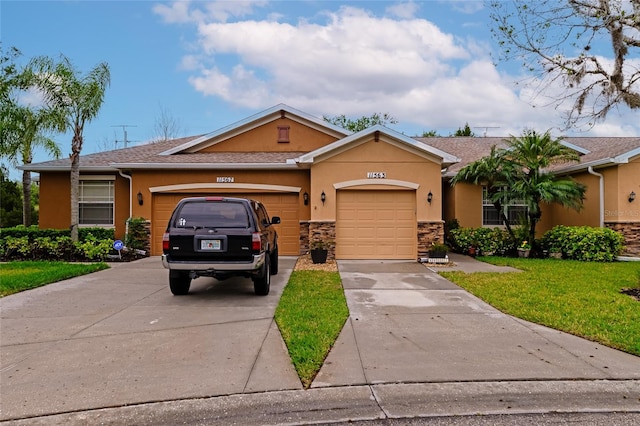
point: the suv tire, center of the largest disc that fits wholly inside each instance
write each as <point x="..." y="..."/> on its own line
<point x="179" y="282"/>
<point x="262" y="282"/>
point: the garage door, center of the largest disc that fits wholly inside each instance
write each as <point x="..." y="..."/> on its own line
<point x="283" y="205"/>
<point x="376" y="225"/>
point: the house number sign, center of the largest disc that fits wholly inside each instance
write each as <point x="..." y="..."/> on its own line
<point x="224" y="179"/>
<point x="376" y="175"/>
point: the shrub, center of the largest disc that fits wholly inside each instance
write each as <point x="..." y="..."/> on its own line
<point x="137" y="236"/>
<point x="32" y="243"/>
<point x="449" y="226"/>
<point x="93" y="248"/>
<point x="584" y="243"/>
<point x="487" y="240"/>
<point x="462" y="239"/>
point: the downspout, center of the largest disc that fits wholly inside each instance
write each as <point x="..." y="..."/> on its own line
<point x="126" y="228"/>
<point x="590" y="169"/>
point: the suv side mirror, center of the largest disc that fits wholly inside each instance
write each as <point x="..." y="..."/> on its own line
<point x="275" y="220"/>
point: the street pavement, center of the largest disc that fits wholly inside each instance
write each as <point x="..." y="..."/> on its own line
<point x="115" y="347"/>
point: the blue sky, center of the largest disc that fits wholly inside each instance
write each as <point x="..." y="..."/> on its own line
<point x="209" y="64"/>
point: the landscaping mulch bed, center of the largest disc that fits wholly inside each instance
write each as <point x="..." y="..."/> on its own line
<point x="305" y="263"/>
<point x="633" y="292"/>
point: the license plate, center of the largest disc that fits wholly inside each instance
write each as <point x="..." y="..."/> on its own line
<point x="210" y="245"/>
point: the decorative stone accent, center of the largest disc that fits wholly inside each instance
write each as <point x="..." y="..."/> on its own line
<point x="147" y="230"/>
<point x="429" y="233"/>
<point x="304" y="237"/>
<point x="631" y="233"/>
<point x="324" y="231"/>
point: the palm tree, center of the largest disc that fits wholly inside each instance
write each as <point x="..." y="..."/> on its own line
<point x="531" y="155"/>
<point x="23" y="128"/>
<point x="27" y="133"/>
<point x="78" y="98"/>
<point x="496" y="173"/>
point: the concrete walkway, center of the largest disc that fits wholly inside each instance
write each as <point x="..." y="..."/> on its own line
<point x="115" y="347"/>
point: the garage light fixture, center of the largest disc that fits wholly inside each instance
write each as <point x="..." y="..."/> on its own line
<point x="305" y="197"/>
<point x="429" y="197"/>
<point x="632" y="196"/>
<point x="323" y="197"/>
<point x="140" y="200"/>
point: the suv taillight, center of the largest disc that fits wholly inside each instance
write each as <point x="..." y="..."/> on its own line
<point x="165" y="242"/>
<point x="256" y="242"/>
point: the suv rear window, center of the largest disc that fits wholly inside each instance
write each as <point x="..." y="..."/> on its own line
<point x="212" y="215"/>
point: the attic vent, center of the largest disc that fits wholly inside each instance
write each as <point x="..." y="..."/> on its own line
<point x="283" y="134"/>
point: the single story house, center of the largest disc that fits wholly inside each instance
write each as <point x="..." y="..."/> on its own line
<point x="376" y="194"/>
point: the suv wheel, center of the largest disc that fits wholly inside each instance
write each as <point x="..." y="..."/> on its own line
<point x="179" y="282"/>
<point x="274" y="261"/>
<point x="262" y="282"/>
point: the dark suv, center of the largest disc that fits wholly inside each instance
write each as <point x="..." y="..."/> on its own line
<point x="220" y="237"/>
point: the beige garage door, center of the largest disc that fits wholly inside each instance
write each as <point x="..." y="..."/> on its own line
<point x="376" y="225"/>
<point x="283" y="205"/>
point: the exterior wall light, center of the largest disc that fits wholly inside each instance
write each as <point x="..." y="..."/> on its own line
<point x="429" y="197"/>
<point x="323" y="197"/>
<point x="632" y="196"/>
<point x="305" y="197"/>
<point x="140" y="200"/>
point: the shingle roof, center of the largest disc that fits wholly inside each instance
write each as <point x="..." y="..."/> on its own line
<point x="600" y="150"/>
<point x="149" y="154"/>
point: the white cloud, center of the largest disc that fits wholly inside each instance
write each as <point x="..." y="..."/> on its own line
<point x="466" y="6"/>
<point x="403" y="10"/>
<point x="355" y="63"/>
<point x="181" y="11"/>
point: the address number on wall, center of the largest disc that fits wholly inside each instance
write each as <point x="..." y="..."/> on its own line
<point x="224" y="179"/>
<point x="376" y="175"/>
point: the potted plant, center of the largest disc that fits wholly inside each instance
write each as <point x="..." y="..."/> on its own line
<point x="438" y="250"/>
<point x="524" y="249"/>
<point x="319" y="251"/>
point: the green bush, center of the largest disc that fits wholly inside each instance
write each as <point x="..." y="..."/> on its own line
<point x="584" y="243"/>
<point x="489" y="241"/>
<point x="137" y="236"/>
<point x="32" y="243"/>
<point x="93" y="249"/>
<point x="33" y="232"/>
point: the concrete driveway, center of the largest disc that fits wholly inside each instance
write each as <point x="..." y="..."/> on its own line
<point x="118" y="344"/>
<point x="408" y="324"/>
<point x="119" y="337"/>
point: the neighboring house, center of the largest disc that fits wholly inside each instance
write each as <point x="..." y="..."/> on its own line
<point x="609" y="167"/>
<point x="376" y="194"/>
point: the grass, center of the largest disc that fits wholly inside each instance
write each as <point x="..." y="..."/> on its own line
<point x="310" y="315"/>
<point x="19" y="276"/>
<point x="581" y="298"/>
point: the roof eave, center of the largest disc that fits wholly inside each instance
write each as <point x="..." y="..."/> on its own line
<point x="584" y="166"/>
<point x="39" y="169"/>
<point x="208" y="166"/>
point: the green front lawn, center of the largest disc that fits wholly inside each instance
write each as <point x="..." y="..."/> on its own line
<point x="19" y="276"/>
<point x="581" y="298"/>
<point x="310" y="315"/>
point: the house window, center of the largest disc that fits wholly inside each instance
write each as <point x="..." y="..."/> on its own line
<point x="96" y="202"/>
<point x="513" y="210"/>
<point x="283" y="134"/>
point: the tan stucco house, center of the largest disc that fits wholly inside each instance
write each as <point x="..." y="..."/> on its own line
<point x="376" y="194"/>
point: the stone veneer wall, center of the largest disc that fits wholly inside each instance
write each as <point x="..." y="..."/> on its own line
<point x="325" y="231"/>
<point x="429" y="233"/>
<point x="147" y="243"/>
<point x="631" y="233"/>
<point x="304" y="237"/>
